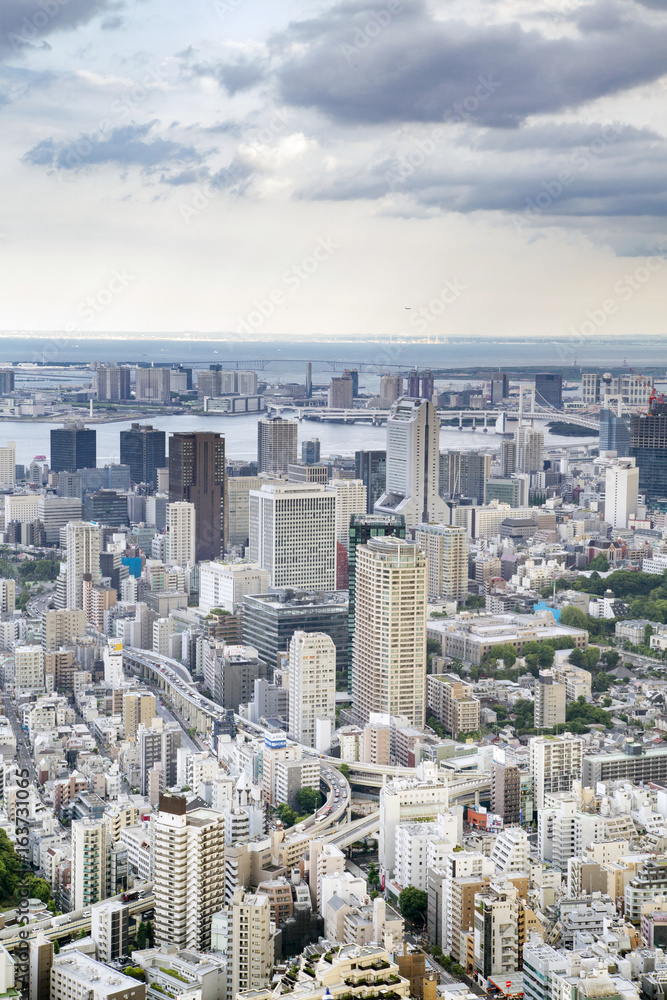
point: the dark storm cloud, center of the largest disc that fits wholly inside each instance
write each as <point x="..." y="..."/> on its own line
<point x="26" y="24"/>
<point x="128" y="146"/>
<point x="235" y="74"/>
<point x="362" y="64"/>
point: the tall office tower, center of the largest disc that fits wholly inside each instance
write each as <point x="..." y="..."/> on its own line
<point x="549" y="701"/>
<point x="555" y="762"/>
<point x="106" y="507"/>
<point x="507" y="457"/>
<point x="181" y="534"/>
<point x="189" y="881"/>
<point x="590" y="387"/>
<point x="113" y="663"/>
<point x="310" y="451"/>
<point x="89" y="862"/>
<point x="350" y="499"/>
<point x="158" y="745"/>
<point x="371" y="468"/>
<point x="109" y="929"/>
<point x="549" y="389"/>
<point x="505" y="789"/>
<point x="143" y="449"/>
<point x="413" y="463"/>
<point x="621" y="492"/>
<point x="293" y="534"/>
<point x="187" y="372"/>
<point x="529" y="449"/>
<point x="209" y="383"/>
<point x="465" y="474"/>
<point x="499" y="387"/>
<point x="152" y="385"/>
<point x="648" y="446"/>
<point x="276" y="445"/>
<point x="113" y="383"/>
<point x="83" y="557"/>
<point x="614" y="434"/>
<point x="391" y="389"/>
<point x="353" y="373"/>
<point x="7" y="381"/>
<point x="29" y="669"/>
<point x="389" y="654"/>
<point x="312" y="684"/>
<point x="138" y="709"/>
<point x="246" y="383"/>
<point x="341" y="394"/>
<point x="446" y="550"/>
<point x="497" y="930"/>
<point x="309" y="379"/>
<point x="197" y="475"/>
<point x="7" y="596"/>
<point x="250" y="946"/>
<point x="73" y="447"/>
<point x="428" y="384"/>
<point x="413" y="384"/>
<point x="8" y="466"/>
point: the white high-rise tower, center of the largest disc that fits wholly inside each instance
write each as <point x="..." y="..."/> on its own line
<point x="621" y="492"/>
<point x="413" y="464"/>
<point x="83" y="556"/>
<point x="312" y="684"/>
<point x="181" y="534"/>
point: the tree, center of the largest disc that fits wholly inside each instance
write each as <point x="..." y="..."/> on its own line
<point x="344" y="770"/>
<point x="648" y="632"/>
<point x="545" y="657"/>
<point x="135" y="972"/>
<point x="142" y="935"/>
<point x="373" y="875"/>
<point x="307" y="800"/>
<point x="56" y="947"/>
<point x="150" y="933"/>
<point x="600" y="564"/>
<point x="286" y="815"/>
<point x="413" y="904"/>
<point x="611" y="658"/>
<point x="508" y="654"/>
<point x="573" y="618"/>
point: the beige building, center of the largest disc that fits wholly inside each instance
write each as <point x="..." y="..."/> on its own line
<point x="446" y="549"/>
<point x="83" y="558"/>
<point x="7" y="596"/>
<point x="550" y="697"/>
<point x="277" y="440"/>
<point x="62" y="626"/>
<point x="189" y="872"/>
<point x="8" y="466"/>
<point x="389" y="657"/>
<point x="451" y="702"/>
<point x="29" y="670"/>
<point x="312" y="684"/>
<point x="250" y="947"/>
<point x="138" y="707"/>
<point x="181" y="534"/>
<point x="350" y="499"/>
<point x="555" y="762"/>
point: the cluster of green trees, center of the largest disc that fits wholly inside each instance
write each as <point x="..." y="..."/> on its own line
<point x="413" y="904"/>
<point x="145" y="936"/>
<point x="39" y="570"/>
<point x="307" y="800"/>
<point x="579" y="715"/>
<point x="13" y="874"/>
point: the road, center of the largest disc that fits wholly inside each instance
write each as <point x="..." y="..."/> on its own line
<point x="23" y="755"/>
<point x="170" y="716"/>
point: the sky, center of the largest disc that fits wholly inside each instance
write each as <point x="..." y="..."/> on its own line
<point x="392" y="168"/>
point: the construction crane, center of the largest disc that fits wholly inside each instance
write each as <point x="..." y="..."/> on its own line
<point x="653" y="394"/>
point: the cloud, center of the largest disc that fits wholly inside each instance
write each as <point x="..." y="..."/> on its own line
<point x="25" y="24"/>
<point x="359" y="63"/>
<point x="127" y="146"/>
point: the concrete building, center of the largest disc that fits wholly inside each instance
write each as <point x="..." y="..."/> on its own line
<point x="75" y="976"/>
<point x="8" y="466"/>
<point x="197" y="475"/>
<point x="446" y="550"/>
<point x="277" y="440"/>
<point x="350" y="500"/>
<point x="389" y="656"/>
<point x="83" y="558"/>
<point x="152" y="385"/>
<point x="224" y="585"/>
<point x="450" y="700"/>
<point x="113" y="383"/>
<point x="312" y="684"/>
<point x="189" y="882"/>
<point x="621" y="492"/>
<point x="555" y="762"/>
<point x="506" y="790"/>
<point x="496" y="930"/>
<point x="62" y="626"/>
<point x="158" y="745"/>
<point x="550" y="698"/>
<point x="529" y="449"/>
<point x="181" y="534"/>
<point x="238" y="506"/>
<point x="413" y="464"/>
<point x="29" y="670"/>
<point x="293" y="535"/>
<point x="138" y="709"/>
<point x="55" y="512"/>
<point x="341" y="394"/>
<point x="250" y="945"/>
<point x="109" y="929"/>
<point x="89" y="862"/>
<point x="639" y="764"/>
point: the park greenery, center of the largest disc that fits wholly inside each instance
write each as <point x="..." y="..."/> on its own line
<point x="413" y="904"/>
<point x="13" y="875"/>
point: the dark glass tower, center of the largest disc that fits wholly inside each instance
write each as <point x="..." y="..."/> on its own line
<point x="549" y="389"/>
<point x="371" y="468"/>
<point x="363" y="527"/>
<point x="197" y="475"/>
<point x="73" y="447"/>
<point x="143" y="449"/>
<point x="648" y="445"/>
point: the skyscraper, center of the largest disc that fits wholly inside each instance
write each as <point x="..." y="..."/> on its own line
<point x="391" y="389"/>
<point x="113" y="383"/>
<point x="310" y="451"/>
<point x="529" y="449"/>
<point x="83" y="557"/>
<point x="428" y="384"/>
<point x="189" y="872"/>
<point x="549" y="701"/>
<point x="143" y="449"/>
<point x="549" y="389"/>
<point x="341" y="394"/>
<point x="181" y="534"/>
<point x="413" y="463"/>
<point x="614" y="433"/>
<point x="89" y="862"/>
<point x="465" y="474"/>
<point x="293" y="534"/>
<point x="389" y="654"/>
<point x="312" y="684"/>
<point x="446" y="549"/>
<point x="153" y="385"/>
<point x="350" y="499"/>
<point x="73" y="447"/>
<point x="499" y="387"/>
<point x="197" y="475"/>
<point x="371" y="468"/>
<point x="276" y="444"/>
<point x="648" y="446"/>
<point x="507" y="457"/>
<point x="555" y="762"/>
<point x="413" y="384"/>
<point x="8" y="466"/>
<point x="250" y="947"/>
<point x="621" y="492"/>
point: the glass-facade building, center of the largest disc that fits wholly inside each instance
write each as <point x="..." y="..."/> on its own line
<point x="648" y="446"/>
<point x="143" y="449"/>
<point x="73" y="448"/>
<point x="371" y="468"/>
<point x="614" y="433"/>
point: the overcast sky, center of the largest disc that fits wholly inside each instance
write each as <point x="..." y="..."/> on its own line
<point x="282" y="168"/>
